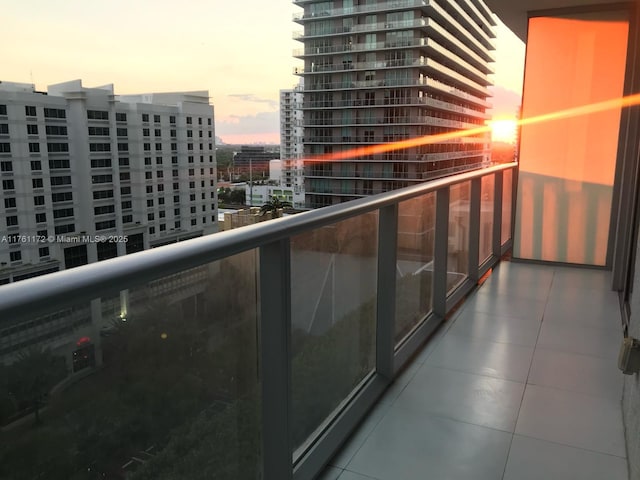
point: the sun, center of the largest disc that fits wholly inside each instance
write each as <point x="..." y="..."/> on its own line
<point x="504" y="130"/>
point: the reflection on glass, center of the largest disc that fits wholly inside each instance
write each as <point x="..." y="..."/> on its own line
<point x="162" y="382"/>
<point x="333" y="278"/>
<point x="414" y="273"/>
<point x="507" y="202"/>
<point x="567" y="164"/>
<point x="486" y="217"/>
<point x="458" y="258"/>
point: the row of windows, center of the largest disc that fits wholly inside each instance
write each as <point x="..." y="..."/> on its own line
<point x="97" y="115"/>
<point x="104" y="131"/>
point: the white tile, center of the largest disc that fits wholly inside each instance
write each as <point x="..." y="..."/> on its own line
<point x="565" y="337"/>
<point x="406" y="446"/>
<point x="573" y="419"/>
<point x="505" y="305"/>
<point x="496" y="328"/>
<point x="578" y="373"/>
<point x="531" y="459"/>
<point x="485" y="401"/>
<point x="482" y="357"/>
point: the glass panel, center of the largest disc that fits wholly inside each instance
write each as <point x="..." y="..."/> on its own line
<point x="416" y="228"/>
<point x="458" y="259"/>
<point x="507" y="205"/>
<point x="158" y="382"/>
<point x="567" y="164"/>
<point x="333" y="283"/>
<point x="486" y="218"/>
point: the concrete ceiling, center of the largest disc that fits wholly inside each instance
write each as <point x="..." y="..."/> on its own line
<point x="514" y="13"/>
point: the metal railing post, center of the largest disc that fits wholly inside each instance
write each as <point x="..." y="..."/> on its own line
<point x="474" y="228"/>
<point x="386" y="308"/>
<point x="497" y="213"/>
<point x="441" y="251"/>
<point x="275" y="357"/>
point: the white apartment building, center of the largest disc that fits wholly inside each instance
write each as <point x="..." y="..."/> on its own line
<point x="291" y="141"/>
<point x="87" y="175"/>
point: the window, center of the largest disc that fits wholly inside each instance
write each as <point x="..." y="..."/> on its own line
<point x="10" y="203"/>
<point x="163" y="227"/>
<point x="174" y="172"/>
<point x="126" y="205"/>
<point x="147" y="175"/>
<point x="97" y="115"/>
<point x="68" y="228"/>
<point x="191" y="172"/>
<point x="6" y="166"/>
<point x="3" y="110"/>
<point x="174" y="160"/>
<point x="8" y="185"/>
<point x="172" y="119"/>
<point x="145" y="117"/>
<point x="121" y="132"/>
<point x="149" y="189"/>
<point x="38" y="200"/>
<point x="152" y="230"/>
<point x="176" y="212"/>
<point x="43" y="251"/>
<point x="174" y="146"/>
<point x="161" y="188"/>
<point x="176" y="199"/>
<point x="36" y="165"/>
<point x="193" y="221"/>
<point x="37" y="183"/>
<point x="127" y="219"/>
<point x="125" y="176"/>
<point x="41" y="217"/>
<point x="55" y="130"/>
<point x="193" y="209"/>
<point x="121" y="117"/>
<point x="30" y="111"/>
<point x="55" y="113"/>
<point x="159" y="174"/>
<point x="105" y="225"/>
<point x="123" y="147"/>
<point x="98" y="147"/>
<point x="158" y="160"/>
<point x="15" y="256"/>
<point x="161" y="213"/>
<point x="189" y="120"/>
<point x="102" y="131"/>
<point x="157" y="132"/>
<point x="190" y="158"/>
<point x="172" y="133"/>
<point x="145" y="132"/>
<point x="34" y="147"/>
<point x="150" y="202"/>
<point x="192" y="184"/>
<point x="5" y="147"/>
<point x="99" y="194"/>
<point x="158" y="147"/>
<point x="176" y="186"/>
<point x="156" y="118"/>
<point x="189" y="133"/>
<point x="147" y="147"/>
<point x="150" y="216"/>
<point x="103" y="209"/>
<point x="161" y="201"/>
<point x="209" y="122"/>
<point x="200" y="133"/>
<point x="66" y="180"/>
<point x="31" y="129"/>
<point x="123" y="162"/>
<point x="125" y="190"/>
<point x="62" y="197"/>
<point x="63" y="213"/>
<point x="176" y="224"/>
<point x="100" y="163"/>
<point x="101" y="179"/>
<point x="12" y="220"/>
<point x="59" y="164"/>
<point x="42" y="233"/>
<point x="147" y="160"/>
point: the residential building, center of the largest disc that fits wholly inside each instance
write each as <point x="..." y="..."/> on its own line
<point x="291" y="140"/>
<point x="88" y="175"/>
<point x="378" y="72"/>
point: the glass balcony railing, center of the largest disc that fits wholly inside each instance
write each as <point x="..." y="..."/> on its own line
<point x="251" y="353"/>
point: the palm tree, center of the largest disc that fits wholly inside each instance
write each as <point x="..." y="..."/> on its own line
<point x="275" y="205"/>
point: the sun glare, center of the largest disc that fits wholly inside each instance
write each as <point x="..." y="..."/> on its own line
<point x="504" y="130"/>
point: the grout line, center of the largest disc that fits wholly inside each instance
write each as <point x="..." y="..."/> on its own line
<point x="571" y="446"/>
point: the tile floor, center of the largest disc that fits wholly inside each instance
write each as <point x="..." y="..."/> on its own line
<point x="520" y="384"/>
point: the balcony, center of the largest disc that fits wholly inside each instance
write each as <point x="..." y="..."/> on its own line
<point x="229" y="365"/>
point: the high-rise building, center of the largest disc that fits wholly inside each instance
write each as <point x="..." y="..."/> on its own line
<point x="378" y="71"/>
<point x="88" y="175"/>
<point x="291" y="136"/>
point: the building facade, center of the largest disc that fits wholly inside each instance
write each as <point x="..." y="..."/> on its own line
<point x="291" y="140"/>
<point x="88" y="175"/>
<point x="378" y="72"/>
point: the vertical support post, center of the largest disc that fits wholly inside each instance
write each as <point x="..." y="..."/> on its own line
<point x="386" y="308"/>
<point x="497" y="213"/>
<point x="441" y="252"/>
<point x="275" y="348"/>
<point x="474" y="228"/>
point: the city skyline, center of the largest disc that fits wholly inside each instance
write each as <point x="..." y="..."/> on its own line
<point x="145" y="47"/>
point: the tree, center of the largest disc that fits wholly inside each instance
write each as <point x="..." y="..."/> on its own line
<point x="275" y="205"/>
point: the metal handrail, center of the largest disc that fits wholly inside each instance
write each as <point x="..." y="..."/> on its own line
<point x="58" y="290"/>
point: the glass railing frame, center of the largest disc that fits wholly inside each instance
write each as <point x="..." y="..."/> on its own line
<point x="62" y="289"/>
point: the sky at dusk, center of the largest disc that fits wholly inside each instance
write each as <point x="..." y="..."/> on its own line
<point x="241" y="52"/>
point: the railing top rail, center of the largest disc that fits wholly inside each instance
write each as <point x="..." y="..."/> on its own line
<point x="43" y="294"/>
